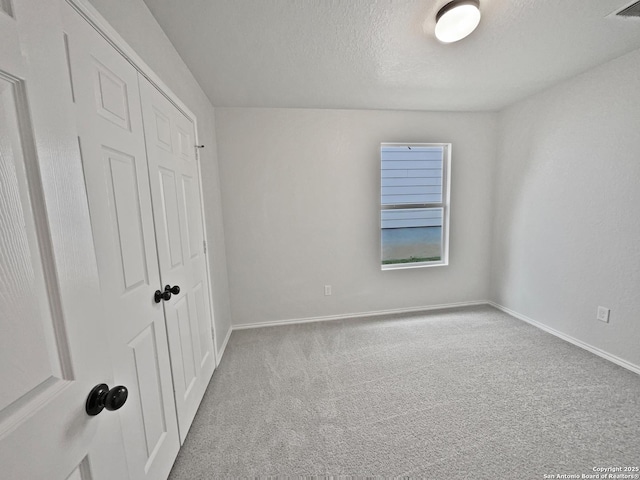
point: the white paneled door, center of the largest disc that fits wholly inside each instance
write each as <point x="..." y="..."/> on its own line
<point x="103" y="276"/>
<point x="111" y="137"/>
<point x="51" y="348"/>
<point x="177" y="209"/>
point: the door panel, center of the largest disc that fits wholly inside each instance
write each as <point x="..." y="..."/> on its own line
<point x="30" y="346"/>
<point x="145" y="356"/>
<point x="169" y="199"/>
<point x="125" y="209"/>
<point x="175" y="191"/>
<point x="186" y="144"/>
<point x="32" y="357"/>
<point x="51" y="353"/>
<point x="163" y="131"/>
<point x="192" y="209"/>
<point x="112" y="101"/>
<point x="186" y="345"/>
<point x="111" y="136"/>
<point x="202" y="323"/>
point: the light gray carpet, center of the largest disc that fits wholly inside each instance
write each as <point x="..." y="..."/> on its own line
<point x="466" y="393"/>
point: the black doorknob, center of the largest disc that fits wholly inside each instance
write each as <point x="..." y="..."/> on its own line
<point x="175" y="289"/>
<point x="158" y="296"/>
<point x="101" y="397"/>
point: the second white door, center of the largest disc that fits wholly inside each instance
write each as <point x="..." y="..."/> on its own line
<point x="175" y="191"/>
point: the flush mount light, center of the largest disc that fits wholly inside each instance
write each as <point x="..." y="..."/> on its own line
<point x="457" y="19"/>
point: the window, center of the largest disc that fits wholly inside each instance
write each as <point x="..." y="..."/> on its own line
<point x="414" y="204"/>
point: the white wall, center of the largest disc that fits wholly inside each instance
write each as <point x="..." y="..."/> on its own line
<point x="567" y="207"/>
<point x="301" y="208"/>
<point x="133" y="21"/>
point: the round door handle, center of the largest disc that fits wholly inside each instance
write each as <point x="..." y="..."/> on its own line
<point x="159" y="296"/>
<point x="101" y="397"/>
<point x="175" y="289"/>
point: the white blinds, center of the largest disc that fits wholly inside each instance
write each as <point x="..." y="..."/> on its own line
<point x="411" y="175"/>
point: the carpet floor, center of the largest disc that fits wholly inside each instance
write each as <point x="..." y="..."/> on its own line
<point x="458" y="394"/>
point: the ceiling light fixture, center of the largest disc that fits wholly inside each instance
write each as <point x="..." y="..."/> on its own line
<point x="457" y="19"/>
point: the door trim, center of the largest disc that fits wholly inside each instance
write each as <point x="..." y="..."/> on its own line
<point x="98" y="22"/>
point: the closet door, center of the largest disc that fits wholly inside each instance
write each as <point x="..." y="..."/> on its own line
<point x="109" y="122"/>
<point x="175" y="191"/>
<point x="51" y="349"/>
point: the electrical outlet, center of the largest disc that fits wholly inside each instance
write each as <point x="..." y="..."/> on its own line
<point x="327" y="290"/>
<point x="603" y="314"/>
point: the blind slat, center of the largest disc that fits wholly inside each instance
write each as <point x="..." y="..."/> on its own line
<point x="402" y="214"/>
<point x="410" y="181"/>
<point x="404" y="148"/>
<point x="411" y="190"/>
<point x="425" y="222"/>
<point x="411" y="155"/>
<point x="408" y="173"/>
<point x="400" y="199"/>
<point x="411" y="164"/>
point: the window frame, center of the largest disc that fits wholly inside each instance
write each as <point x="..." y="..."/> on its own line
<point x="445" y="205"/>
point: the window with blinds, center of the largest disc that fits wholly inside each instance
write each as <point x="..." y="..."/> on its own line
<point x="414" y="204"/>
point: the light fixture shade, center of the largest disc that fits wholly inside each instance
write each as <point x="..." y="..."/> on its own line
<point x="457" y="19"/>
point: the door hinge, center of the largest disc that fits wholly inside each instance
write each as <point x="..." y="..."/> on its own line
<point x="204" y="246"/>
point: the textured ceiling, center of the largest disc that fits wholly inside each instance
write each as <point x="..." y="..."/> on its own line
<point x="374" y="54"/>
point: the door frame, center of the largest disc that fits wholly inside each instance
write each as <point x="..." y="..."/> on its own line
<point x="89" y="13"/>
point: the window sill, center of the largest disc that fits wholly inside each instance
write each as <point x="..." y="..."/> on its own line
<point x="405" y="266"/>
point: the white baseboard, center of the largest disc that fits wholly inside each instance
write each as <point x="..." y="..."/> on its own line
<point x="567" y="338"/>
<point x="357" y="315"/>
<point x="224" y="346"/>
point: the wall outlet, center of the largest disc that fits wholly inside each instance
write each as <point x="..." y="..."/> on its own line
<point x="327" y="290"/>
<point x="603" y="314"/>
